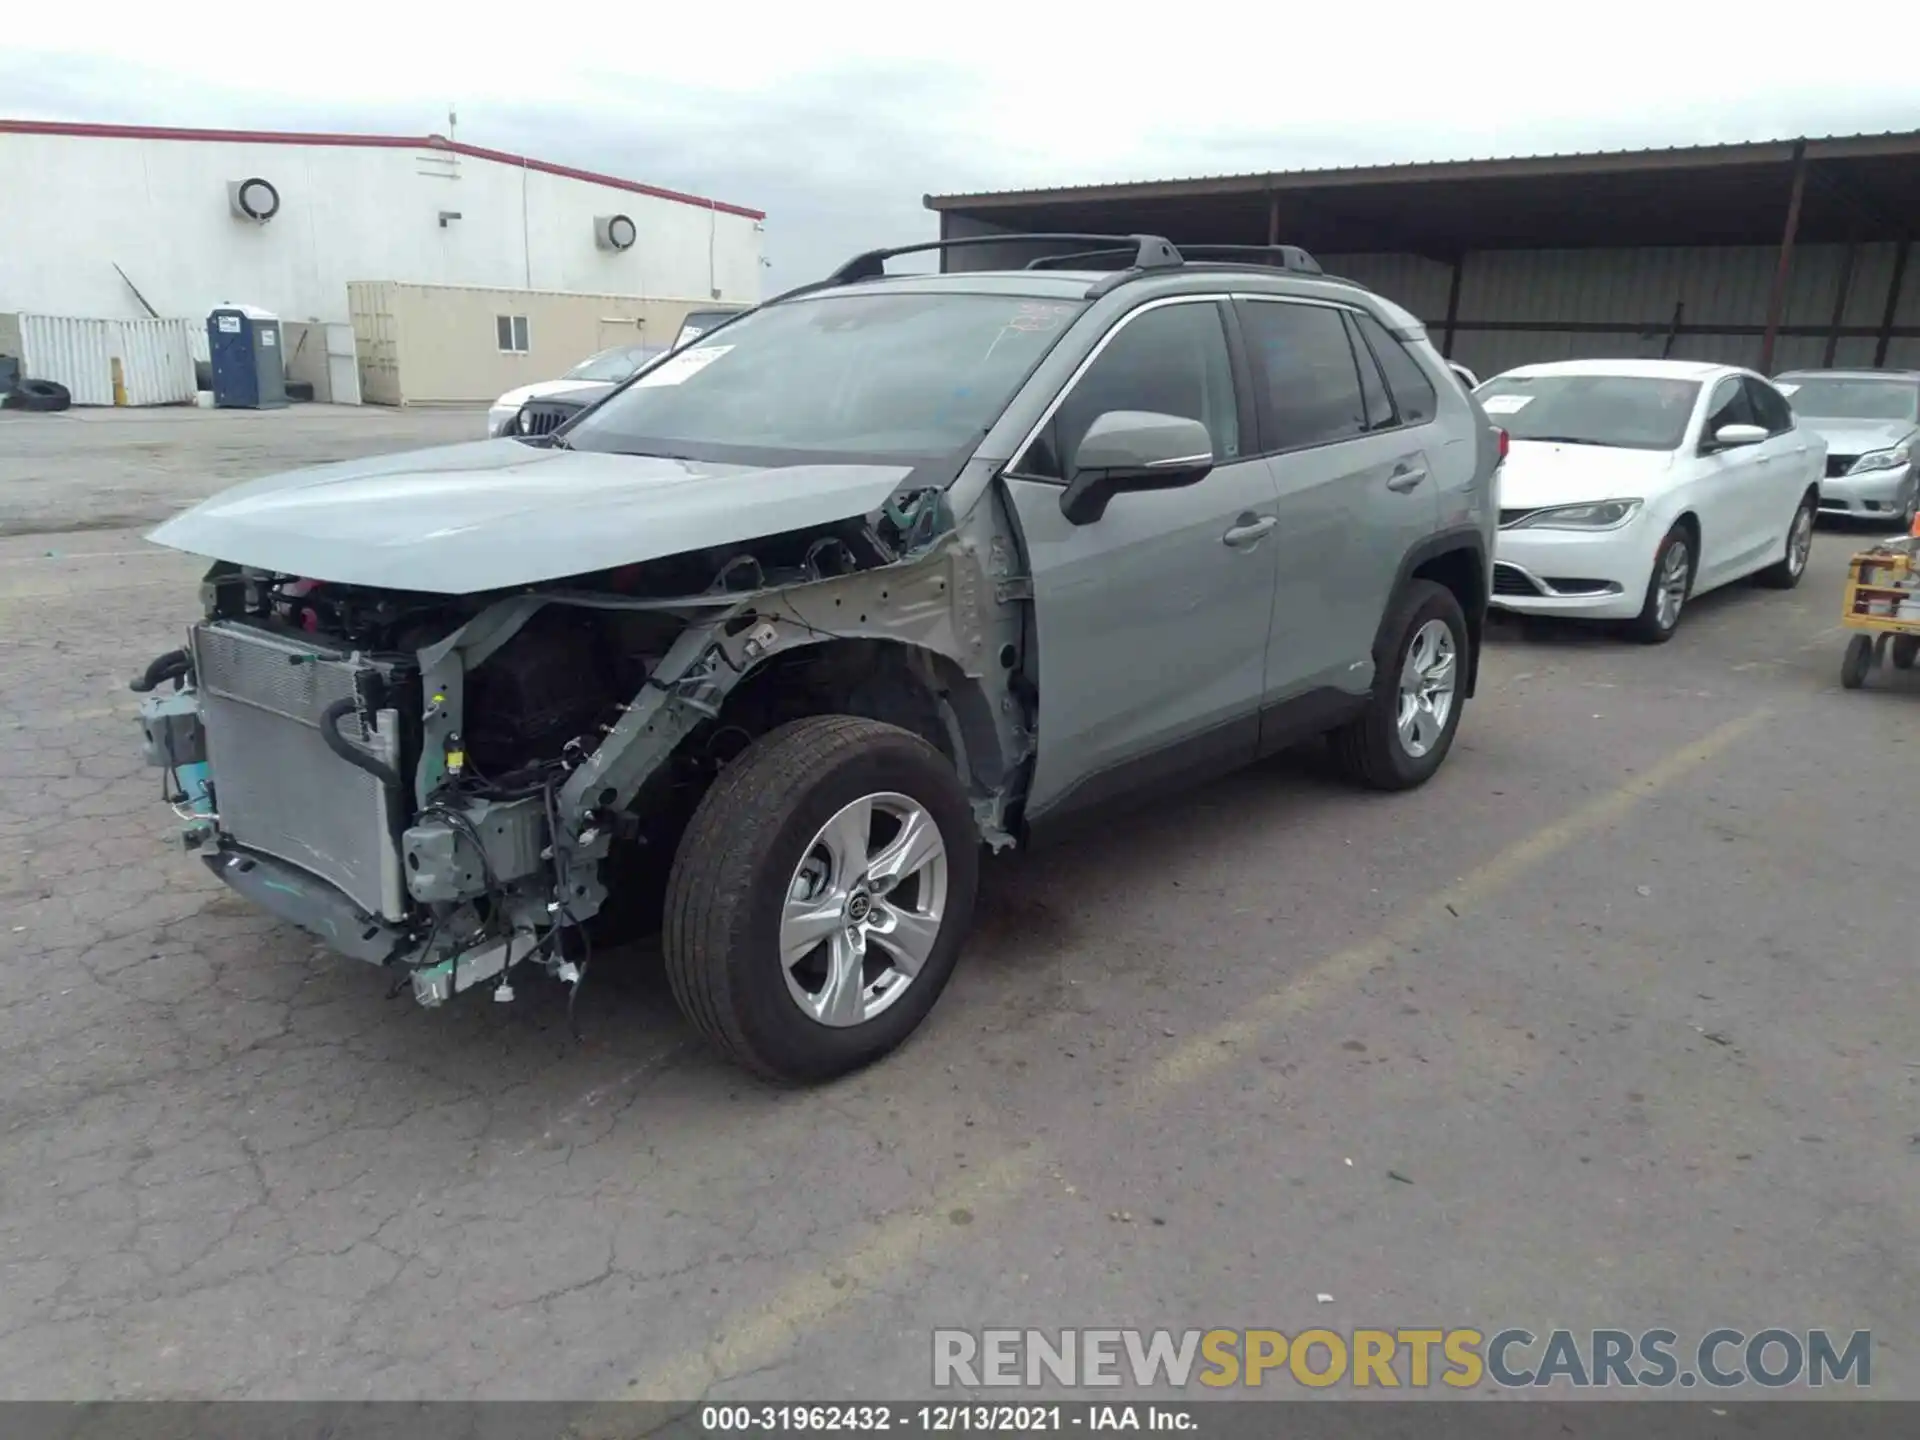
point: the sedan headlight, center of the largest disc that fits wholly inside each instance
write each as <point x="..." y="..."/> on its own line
<point x="1599" y="515"/>
<point x="1894" y="459"/>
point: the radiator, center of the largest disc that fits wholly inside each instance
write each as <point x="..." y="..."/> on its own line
<point x="277" y="786"/>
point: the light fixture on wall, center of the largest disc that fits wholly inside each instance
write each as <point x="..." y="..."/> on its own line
<point x="614" y="232"/>
<point x="446" y="215"/>
<point x="253" y="199"/>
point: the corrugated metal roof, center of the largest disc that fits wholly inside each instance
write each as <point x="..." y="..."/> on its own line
<point x="1894" y="141"/>
<point x="370" y="142"/>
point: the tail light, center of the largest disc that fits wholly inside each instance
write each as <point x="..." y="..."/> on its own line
<point x="1503" y="442"/>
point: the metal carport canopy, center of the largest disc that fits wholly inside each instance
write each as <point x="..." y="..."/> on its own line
<point x="1860" y="188"/>
<point x="1841" y="189"/>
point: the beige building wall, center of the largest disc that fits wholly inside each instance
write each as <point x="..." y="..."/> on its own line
<point x="441" y="344"/>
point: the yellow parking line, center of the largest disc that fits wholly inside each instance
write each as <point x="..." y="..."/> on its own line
<point x="763" y="1334"/>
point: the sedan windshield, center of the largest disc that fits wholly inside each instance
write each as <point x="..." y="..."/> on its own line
<point x="613" y="366"/>
<point x="1629" y="412"/>
<point x="890" y="378"/>
<point x="1829" y="398"/>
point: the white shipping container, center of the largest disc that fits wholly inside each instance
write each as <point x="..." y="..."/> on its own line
<point x="156" y="357"/>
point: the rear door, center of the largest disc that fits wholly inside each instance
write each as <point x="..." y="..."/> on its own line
<point x="1355" y="493"/>
<point x="1153" y="619"/>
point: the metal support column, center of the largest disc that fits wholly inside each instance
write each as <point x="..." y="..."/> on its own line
<point x="1904" y="248"/>
<point x="1839" y="305"/>
<point x="1273" y="218"/>
<point x="1776" y="302"/>
<point x="1453" y="307"/>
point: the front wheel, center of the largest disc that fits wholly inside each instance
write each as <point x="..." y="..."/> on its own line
<point x="1404" y="734"/>
<point x="1667" y="589"/>
<point x="1785" y="572"/>
<point x="820" y="897"/>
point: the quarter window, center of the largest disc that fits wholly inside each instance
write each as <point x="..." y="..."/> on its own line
<point x="1373" y="385"/>
<point x="1172" y="360"/>
<point x="1413" y="392"/>
<point x="1305" y="375"/>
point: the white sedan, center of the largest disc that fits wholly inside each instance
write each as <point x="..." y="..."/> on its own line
<point x="1631" y="486"/>
<point x="602" y="372"/>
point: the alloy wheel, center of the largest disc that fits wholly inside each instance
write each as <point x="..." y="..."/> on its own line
<point x="863" y="909"/>
<point x="1428" y="678"/>
<point x="1671" y="583"/>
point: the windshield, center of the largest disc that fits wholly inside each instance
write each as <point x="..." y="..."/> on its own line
<point x="613" y="365"/>
<point x="890" y="378"/>
<point x="1829" y="398"/>
<point x="1630" y="412"/>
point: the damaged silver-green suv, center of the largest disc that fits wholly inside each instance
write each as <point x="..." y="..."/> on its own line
<point x="762" y="648"/>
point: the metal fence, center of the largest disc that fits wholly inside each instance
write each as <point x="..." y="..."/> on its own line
<point x="155" y="357"/>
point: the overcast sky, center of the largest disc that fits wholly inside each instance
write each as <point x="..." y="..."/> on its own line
<point x="836" y="118"/>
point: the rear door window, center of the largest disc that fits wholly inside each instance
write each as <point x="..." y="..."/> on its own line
<point x="1305" y="376"/>
<point x="1413" y="392"/>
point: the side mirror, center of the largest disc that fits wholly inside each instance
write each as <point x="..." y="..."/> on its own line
<point x="1732" y="437"/>
<point x="1134" y="450"/>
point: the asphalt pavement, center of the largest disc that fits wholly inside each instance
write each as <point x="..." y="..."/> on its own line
<point x="1611" y="1025"/>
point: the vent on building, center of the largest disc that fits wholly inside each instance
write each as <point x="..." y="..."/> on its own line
<point x="613" y="232"/>
<point x="253" y="199"/>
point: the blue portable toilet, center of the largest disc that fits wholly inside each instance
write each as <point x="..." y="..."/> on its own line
<point x="249" y="371"/>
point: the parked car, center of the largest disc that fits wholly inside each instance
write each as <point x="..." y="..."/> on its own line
<point x="1632" y="486"/>
<point x="764" y="646"/>
<point x="541" y="416"/>
<point x="600" y="372"/>
<point x="1870" y="420"/>
<point x="698" y="322"/>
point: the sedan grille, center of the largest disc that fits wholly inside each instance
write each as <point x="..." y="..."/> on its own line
<point x="1510" y="580"/>
<point x="1513" y="517"/>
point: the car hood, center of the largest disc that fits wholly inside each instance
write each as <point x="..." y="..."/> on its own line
<point x="1857" y="437"/>
<point x="498" y="514"/>
<point x="1539" y="473"/>
<point x="542" y="388"/>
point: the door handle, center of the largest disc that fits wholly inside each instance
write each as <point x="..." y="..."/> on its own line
<point x="1248" y="530"/>
<point x="1405" y="478"/>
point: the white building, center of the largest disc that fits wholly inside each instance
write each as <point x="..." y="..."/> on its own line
<point x="96" y="212"/>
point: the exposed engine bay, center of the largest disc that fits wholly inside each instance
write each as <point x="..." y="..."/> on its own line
<point x="452" y="784"/>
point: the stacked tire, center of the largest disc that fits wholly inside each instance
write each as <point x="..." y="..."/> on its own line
<point x="44" y="396"/>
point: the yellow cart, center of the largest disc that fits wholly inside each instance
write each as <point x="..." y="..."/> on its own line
<point x="1883" y="609"/>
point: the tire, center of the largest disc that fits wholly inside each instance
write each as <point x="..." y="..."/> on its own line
<point x="44" y="396"/>
<point x="759" y="833"/>
<point x="1372" y="749"/>
<point x="1906" y="648"/>
<point x="1651" y="626"/>
<point x="1912" y="512"/>
<point x="1785" y="572"/>
<point x="1857" y="662"/>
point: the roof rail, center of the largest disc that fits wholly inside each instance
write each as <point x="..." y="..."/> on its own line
<point x="1284" y="257"/>
<point x="1149" y="252"/>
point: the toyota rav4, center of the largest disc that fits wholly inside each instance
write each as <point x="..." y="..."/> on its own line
<point x="764" y="648"/>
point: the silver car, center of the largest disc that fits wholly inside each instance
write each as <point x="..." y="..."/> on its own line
<point x="760" y="650"/>
<point x="1870" y="420"/>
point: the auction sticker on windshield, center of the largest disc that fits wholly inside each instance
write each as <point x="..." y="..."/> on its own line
<point x="1505" y="404"/>
<point x="677" y="368"/>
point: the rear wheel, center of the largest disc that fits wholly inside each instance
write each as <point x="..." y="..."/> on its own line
<point x="1667" y="589"/>
<point x="820" y="897"/>
<point x="1904" y="651"/>
<point x="1404" y="734"/>
<point x="1785" y="572"/>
